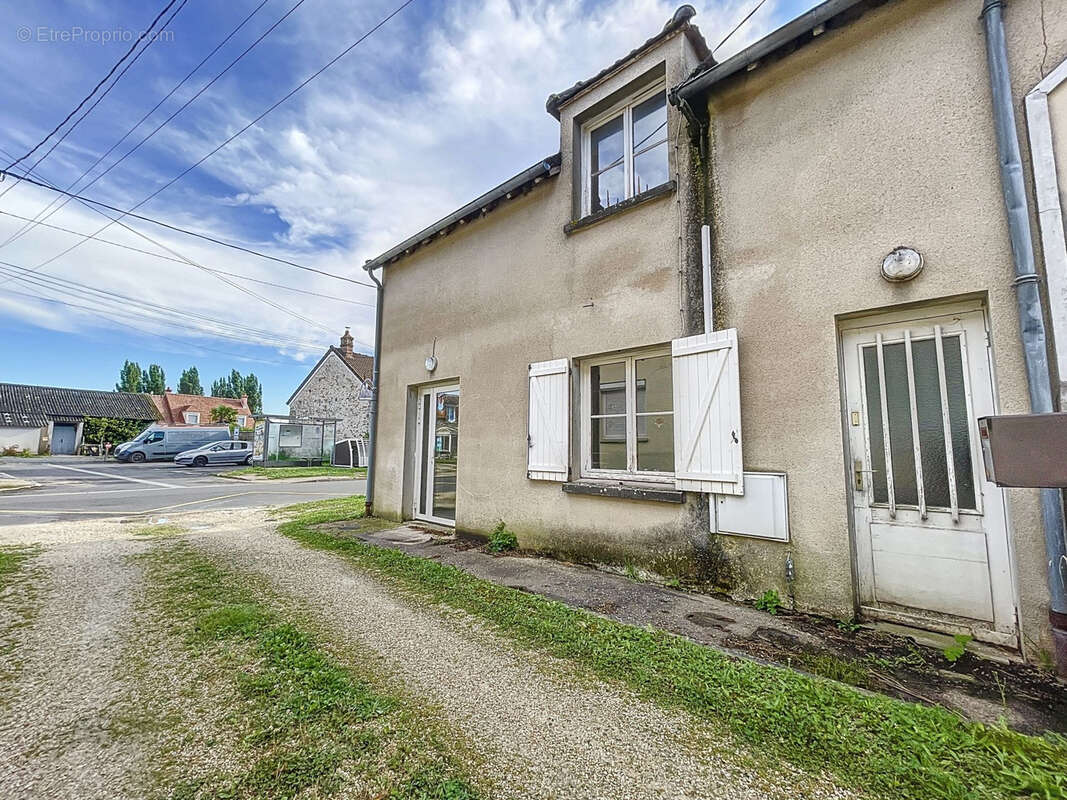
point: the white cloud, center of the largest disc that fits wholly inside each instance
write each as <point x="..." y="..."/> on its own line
<point x="423" y="117"/>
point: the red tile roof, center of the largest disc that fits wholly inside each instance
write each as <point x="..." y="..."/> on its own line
<point x="172" y="406"/>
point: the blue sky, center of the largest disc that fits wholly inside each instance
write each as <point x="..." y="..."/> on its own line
<point x="444" y="101"/>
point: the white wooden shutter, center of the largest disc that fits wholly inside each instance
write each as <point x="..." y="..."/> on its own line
<point x="548" y="455"/>
<point x="707" y="413"/>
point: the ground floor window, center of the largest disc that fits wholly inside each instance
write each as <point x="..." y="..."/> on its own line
<point x="628" y="415"/>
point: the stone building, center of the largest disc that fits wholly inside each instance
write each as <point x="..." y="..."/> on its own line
<point x="332" y="389"/>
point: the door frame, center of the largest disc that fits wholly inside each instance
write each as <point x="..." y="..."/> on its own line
<point x="420" y="491"/>
<point x="1004" y="630"/>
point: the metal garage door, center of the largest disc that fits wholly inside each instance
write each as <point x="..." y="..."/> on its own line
<point x="63" y="439"/>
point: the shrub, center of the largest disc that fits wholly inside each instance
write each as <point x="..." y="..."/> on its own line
<point x="501" y="539"/>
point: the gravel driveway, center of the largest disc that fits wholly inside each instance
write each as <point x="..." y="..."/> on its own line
<point x="542" y="729"/>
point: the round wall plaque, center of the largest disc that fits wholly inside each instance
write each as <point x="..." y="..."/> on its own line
<point x="902" y="264"/>
<point x="431" y="363"/>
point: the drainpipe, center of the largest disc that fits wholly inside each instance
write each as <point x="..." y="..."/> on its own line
<point x="1028" y="294"/>
<point x="372" y="448"/>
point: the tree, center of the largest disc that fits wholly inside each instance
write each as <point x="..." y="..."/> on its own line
<point x="153" y="380"/>
<point x="189" y="382"/>
<point x="224" y="415"/>
<point x="254" y="390"/>
<point x="130" y="378"/>
<point x="221" y="387"/>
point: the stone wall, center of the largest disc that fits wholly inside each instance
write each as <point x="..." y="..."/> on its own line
<point x="333" y="391"/>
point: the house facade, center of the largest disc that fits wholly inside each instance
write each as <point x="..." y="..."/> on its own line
<point x="51" y="419"/>
<point x="195" y="409"/>
<point x="333" y="390"/>
<point x="743" y="335"/>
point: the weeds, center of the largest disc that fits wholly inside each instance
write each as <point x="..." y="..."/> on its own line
<point x="305" y="724"/>
<point x="876" y="743"/>
<point x="954" y="652"/>
<point x="769" y="601"/>
<point x="501" y="540"/>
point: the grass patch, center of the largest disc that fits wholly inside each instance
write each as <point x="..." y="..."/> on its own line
<point x="874" y="743"/>
<point x="275" y="473"/>
<point x="304" y="724"/>
<point x="158" y="531"/>
<point x="20" y="598"/>
<point x="12" y="559"/>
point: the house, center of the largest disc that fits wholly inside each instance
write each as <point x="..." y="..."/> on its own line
<point x="195" y="409"/>
<point x="741" y="327"/>
<point x="333" y="389"/>
<point x="49" y="419"/>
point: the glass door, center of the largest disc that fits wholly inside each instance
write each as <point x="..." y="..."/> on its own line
<point x="437" y="432"/>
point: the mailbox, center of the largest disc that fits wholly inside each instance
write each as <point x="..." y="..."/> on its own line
<point x="1027" y="450"/>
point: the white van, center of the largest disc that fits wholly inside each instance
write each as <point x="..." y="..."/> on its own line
<point x="160" y="442"/>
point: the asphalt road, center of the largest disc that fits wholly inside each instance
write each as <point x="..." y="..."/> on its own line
<point x="75" y="487"/>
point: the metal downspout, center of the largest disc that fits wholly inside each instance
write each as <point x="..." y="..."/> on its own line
<point x="375" y="375"/>
<point x="1028" y="294"/>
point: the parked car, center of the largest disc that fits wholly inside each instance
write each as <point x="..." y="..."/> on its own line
<point x="216" y="453"/>
<point x="161" y="442"/>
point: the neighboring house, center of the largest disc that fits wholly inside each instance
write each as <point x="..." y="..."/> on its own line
<point x="48" y="419"/>
<point x="195" y="409"/>
<point x="741" y="327"/>
<point x="332" y="390"/>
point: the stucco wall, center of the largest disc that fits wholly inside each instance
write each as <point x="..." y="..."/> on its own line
<point x="20" y="438"/>
<point x="874" y="136"/>
<point x="333" y="391"/>
<point x="512" y="289"/>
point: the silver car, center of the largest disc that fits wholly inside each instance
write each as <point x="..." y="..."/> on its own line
<point x="216" y="453"/>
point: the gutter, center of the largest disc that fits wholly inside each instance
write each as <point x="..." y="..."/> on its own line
<point x="372" y="445"/>
<point x="1028" y="294"/>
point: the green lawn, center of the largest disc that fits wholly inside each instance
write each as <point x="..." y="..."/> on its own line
<point x="874" y="743"/>
<point x="274" y="473"/>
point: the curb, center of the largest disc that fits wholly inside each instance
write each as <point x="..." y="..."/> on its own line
<point x="313" y="479"/>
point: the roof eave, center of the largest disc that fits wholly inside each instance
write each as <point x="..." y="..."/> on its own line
<point x="778" y="44"/>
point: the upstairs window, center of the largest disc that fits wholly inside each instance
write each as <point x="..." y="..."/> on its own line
<point x="192" y="418"/>
<point x="625" y="151"/>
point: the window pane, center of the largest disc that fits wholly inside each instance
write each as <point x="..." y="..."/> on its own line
<point x="608" y="188"/>
<point x="607" y="445"/>
<point x="655" y="390"/>
<point x="898" y="403"/>
<point x="650" y="169"/>
<point x="605" y="145"/>
<point x="931" y="423"/>
<point x="650" y="121"/>
<point x="607" y="384"/>
<point x="655" y="443"/>
<point x="874" y="425"/>
<point x="959" y="423"/>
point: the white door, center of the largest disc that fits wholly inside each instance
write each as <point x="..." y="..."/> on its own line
<point x="931" y="538"/>
<point x="436" y="454"/>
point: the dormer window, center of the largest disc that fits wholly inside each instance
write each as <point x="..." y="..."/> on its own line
<point x="625" y="151"/>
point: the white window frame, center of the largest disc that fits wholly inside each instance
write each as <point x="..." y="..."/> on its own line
<point x="242" y="419"/>
<point x="630" y="359"/>
<point x="192" y="417"/>
<point x="625" y="107"/>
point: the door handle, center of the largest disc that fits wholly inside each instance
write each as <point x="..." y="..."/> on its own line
<point x="858" y="472"/>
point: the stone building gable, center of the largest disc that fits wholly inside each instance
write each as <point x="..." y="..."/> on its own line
<point x="333" y="391"/>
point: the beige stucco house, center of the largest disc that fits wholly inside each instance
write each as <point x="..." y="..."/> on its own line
<point x="741" y="327"/>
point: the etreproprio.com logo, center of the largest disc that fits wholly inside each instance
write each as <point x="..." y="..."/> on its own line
<point x="76" y="34"/>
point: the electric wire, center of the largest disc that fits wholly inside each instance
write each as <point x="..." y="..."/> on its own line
<point x="136" y="305"/>
<point x="255" y="120"/>
<point x="63" y="200"/>
<point x="179" y="261"/>
<point x="737" y="27"/>
<point x="85" y="100"/>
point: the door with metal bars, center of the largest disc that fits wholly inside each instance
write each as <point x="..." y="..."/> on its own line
<point x="931" y="539"/>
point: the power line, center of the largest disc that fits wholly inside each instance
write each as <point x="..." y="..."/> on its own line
<point x="159" y="315"/>
<point x="179" y="261"/>
<point x="737" y="27"/>
<point x="138" y="305"/>
<point x="168" y="226"/>
<point x="199" y="92"/>
<point x="136" y="125"/>
<point x="95" y="88"/>
<point x="269" y="109"/>
<point x="96" y="102"/>
<point x="142" y="330"/>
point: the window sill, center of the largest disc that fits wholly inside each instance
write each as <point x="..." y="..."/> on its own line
<point x="655" y="492"/>
<point x="596" y="217"/>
